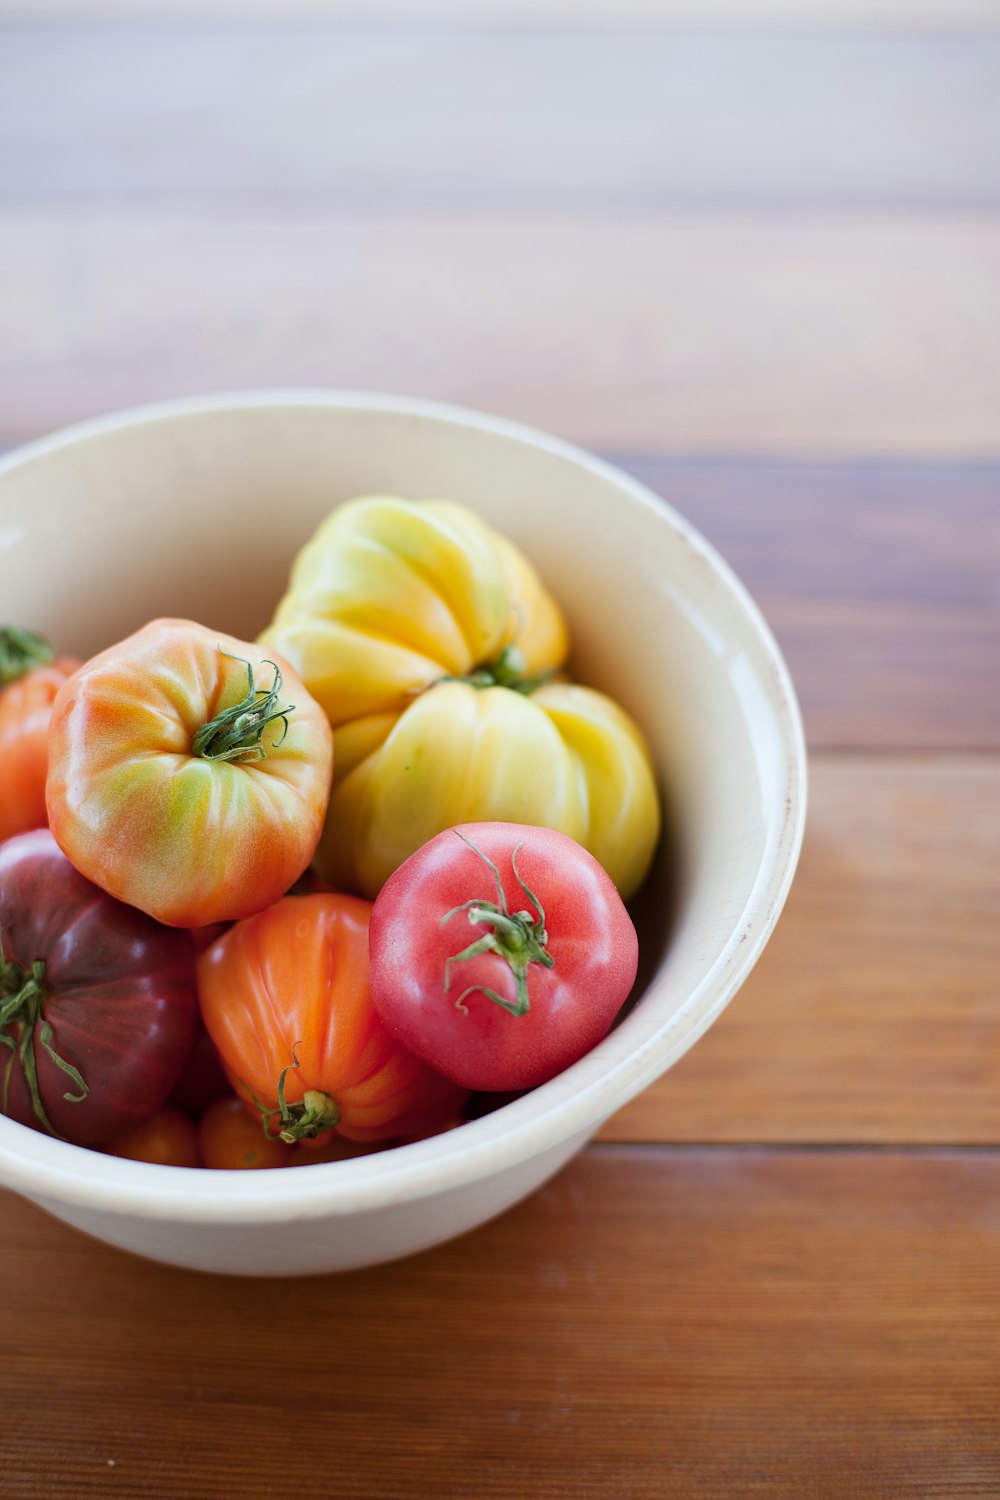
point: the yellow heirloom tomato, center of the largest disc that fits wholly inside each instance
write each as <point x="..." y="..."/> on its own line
<point x="390" y="596"/>
<point x="431" y="643"/>
<point x="563" y="757"/>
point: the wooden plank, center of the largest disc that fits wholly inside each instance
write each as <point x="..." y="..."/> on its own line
<point x="873" y="1013"/>
<point x="880" y="581"/>
<point x="712" y="1323"/>
<point x="944" y="15"/>
<point x="352" y="120"/>
<point x="834" y="338"/>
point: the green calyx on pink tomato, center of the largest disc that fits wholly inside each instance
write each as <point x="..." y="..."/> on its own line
<point x="541" y="987"/>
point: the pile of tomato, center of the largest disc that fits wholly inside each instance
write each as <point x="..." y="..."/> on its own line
<point x="269" y="903"/>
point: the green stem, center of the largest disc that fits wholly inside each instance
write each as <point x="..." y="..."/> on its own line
<point x="303" y="1122"/>
<point x="21" y="995"/>
<point x="237" y="733"/>
<point x="519" y="938"/>
<point x="314" y="1114"/>
<point x="20" y="651"/>
<point x="506" y="670"/>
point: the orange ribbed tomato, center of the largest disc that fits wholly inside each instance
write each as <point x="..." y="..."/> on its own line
<point x="284" y="997"/>
<point x="181" y="785"/>
<point x="30" y="677"/>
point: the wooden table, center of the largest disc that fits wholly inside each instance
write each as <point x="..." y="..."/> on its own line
<point x="750" y="249"/>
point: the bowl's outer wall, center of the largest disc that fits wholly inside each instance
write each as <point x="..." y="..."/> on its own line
<point x="198" y="510"/>
<point x="338" y="1242"/>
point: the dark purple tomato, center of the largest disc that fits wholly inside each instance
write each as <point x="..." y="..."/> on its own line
<point x="97" y="1001"/>
<point x="203" y="1078"/>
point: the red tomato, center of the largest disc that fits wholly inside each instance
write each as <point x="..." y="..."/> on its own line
<point x="284" y="996"/>
<point x="231" y="1142"/>
<point x="97" y="1001"/>
<point x="178" y="783"/>
<point x="29" y="682"/>
<point x="547" y="965"/>
<point x="169" y="1138"/>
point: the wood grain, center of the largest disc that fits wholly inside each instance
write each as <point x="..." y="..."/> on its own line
<point x="880" y="581"/>
<point x="874" y="1013"/>
<point x="715" y="238"/>
<point x="830" y="338"/>
<point x="794" y="1323"/>
<point x="334" y="121"/>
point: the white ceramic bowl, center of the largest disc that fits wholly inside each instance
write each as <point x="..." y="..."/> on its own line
<point x="196" y="509"/>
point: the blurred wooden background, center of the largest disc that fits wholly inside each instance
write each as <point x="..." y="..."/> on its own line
<point x="750" y="250"/>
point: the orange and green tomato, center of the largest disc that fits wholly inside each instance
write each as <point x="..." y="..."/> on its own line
<point x="188" y="774"/>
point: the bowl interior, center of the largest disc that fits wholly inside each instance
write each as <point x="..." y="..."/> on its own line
<point x="197" y="510"/>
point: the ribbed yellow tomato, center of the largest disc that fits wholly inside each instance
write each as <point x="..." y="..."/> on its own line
<point x="431" y="643"/>
<point x="563" y="757"/>
<point x="390" y="595"/>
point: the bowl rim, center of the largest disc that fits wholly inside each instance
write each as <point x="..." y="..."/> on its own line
<point x="569" y="1107"/>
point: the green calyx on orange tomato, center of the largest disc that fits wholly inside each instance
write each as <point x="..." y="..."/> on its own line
<point x="315" y="1113"/>
<point x="20" y="651"/>
<point x="237" y="733"/>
